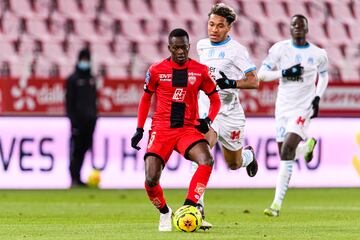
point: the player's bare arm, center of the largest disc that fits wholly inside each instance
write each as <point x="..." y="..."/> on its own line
<point x="250" y="81"/>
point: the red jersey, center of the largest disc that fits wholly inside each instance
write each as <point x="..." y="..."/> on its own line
<point x="176" y="88"/>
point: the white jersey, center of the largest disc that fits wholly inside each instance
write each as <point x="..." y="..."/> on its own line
<point x="296" y="96"/>
<point x="231" y="58"/>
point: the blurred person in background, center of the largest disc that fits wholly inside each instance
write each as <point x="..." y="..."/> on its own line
<point x="82" y="112"/>
<point x="297" y="63"/>
<point x="229" y="63"/>
<point x="176" y="82"/>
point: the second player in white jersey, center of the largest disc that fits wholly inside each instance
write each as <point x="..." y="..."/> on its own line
<point x="233" y="59"/>
<point x="295" y="94"/>
<point x="296" y="63"/>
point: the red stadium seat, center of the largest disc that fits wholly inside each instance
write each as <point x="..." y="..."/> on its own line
<point x="254" y="9"/>
<point x="21" y="8"/>
<point x="37" y="28"/>
<point x="139" y="9"/>
<point x="69" y="9"/>
<point x="163" y="9"/>
<point x="275" y="11"/>
<point x="117" y="9"/>
<point x="336" y="32"/>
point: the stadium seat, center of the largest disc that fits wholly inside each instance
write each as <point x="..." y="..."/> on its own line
<point x="275" y="11"/>
<point x="85" y="30"/>
<point x="139" y="9"/>
<point x="132" y="30"/>
<point x="7" y="51"/>
<point x="37" y="28"/>
<point x="334" y="55"/>
<point x="270" y="32"/>
<point x="254" y="10"/>
<point x="297" y="7"/>
<point x="336" y="32"/>
<point x="317" y="33"/>
<point x="163" y="9"/>
<point x="41" y="8"/>
<point x="186" y="9"/>
<point x="342" y="11"/>
<point x="90" y="8"/>
<point x="205" y="6"/>
<point x="21" y="8"/>
<point x="354" y="32"/>
<point x="243" y="29"/>
<point x="103" y="28"/>
<point x="117" y="9"/>
<point x="9" y="26"/>
<point x="69" y="9"/>
<point x="54" y="52"/>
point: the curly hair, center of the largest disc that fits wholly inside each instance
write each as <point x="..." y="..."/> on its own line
<point x="225" y="11"/>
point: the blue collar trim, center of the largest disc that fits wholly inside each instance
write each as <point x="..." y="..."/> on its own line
<point x="221" y="43"/>
<point x="297" y="46"/>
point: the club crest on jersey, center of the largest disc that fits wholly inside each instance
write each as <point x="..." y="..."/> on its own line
<point x="179" y="95"/>
<point x="192" y="77"/>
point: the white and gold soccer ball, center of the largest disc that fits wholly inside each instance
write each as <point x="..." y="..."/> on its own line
<point x="187" y="219"/>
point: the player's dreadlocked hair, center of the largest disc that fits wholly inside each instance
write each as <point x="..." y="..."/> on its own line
<point x="225" y="11"/>
<point x="178" y="32"/>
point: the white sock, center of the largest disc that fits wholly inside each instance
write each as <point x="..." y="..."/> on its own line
<point x="282" y="183"/>
<point x="247" y="157"/>
<point x="301" y="149"/>
<point x="194" y="166"/>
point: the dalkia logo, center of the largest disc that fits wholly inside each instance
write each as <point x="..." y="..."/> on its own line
<point x="356" y="161"/>
<point x="27" y="97"/>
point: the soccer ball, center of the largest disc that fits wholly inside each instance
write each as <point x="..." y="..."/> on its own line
<point x="187" y="219"/>
<point x="94" y="178"/>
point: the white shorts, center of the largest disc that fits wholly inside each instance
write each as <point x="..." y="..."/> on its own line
<point x="291" y="122"/>
<point x="230" y="130"/>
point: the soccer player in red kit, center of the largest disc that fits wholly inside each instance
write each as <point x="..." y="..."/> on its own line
<point x="176" y="82"/>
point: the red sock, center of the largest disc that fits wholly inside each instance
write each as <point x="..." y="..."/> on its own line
<point x="198" y="182"/>
<point x="156" y="195"/>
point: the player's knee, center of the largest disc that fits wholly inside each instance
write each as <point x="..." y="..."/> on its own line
<point x="205" y="160"/>
<point x="287" y="152"/>
<point x="151" y="181"/>
<point x="234" y="165"/>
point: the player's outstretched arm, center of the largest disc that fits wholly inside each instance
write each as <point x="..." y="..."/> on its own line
<point x="250" y="81"/>
<point x="267" y="75"/>
<point x="143" y="111"/>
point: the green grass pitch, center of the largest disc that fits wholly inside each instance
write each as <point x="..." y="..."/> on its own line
<point x="128" y="214"/>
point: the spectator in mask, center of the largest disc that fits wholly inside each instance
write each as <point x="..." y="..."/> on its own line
<point x="82" y="113"/>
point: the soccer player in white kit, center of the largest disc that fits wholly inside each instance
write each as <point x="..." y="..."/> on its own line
<point x="298" y="62"/>
<point x="227" y="60"/>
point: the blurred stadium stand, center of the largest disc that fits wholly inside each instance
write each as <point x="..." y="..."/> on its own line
<point x="126" y="36"/>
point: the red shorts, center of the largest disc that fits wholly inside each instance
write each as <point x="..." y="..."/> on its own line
<point x="162" y="142"/>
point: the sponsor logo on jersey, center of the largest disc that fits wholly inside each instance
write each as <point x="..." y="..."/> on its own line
<point x="165" y="77"/>
<point x="179" y="95"/>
